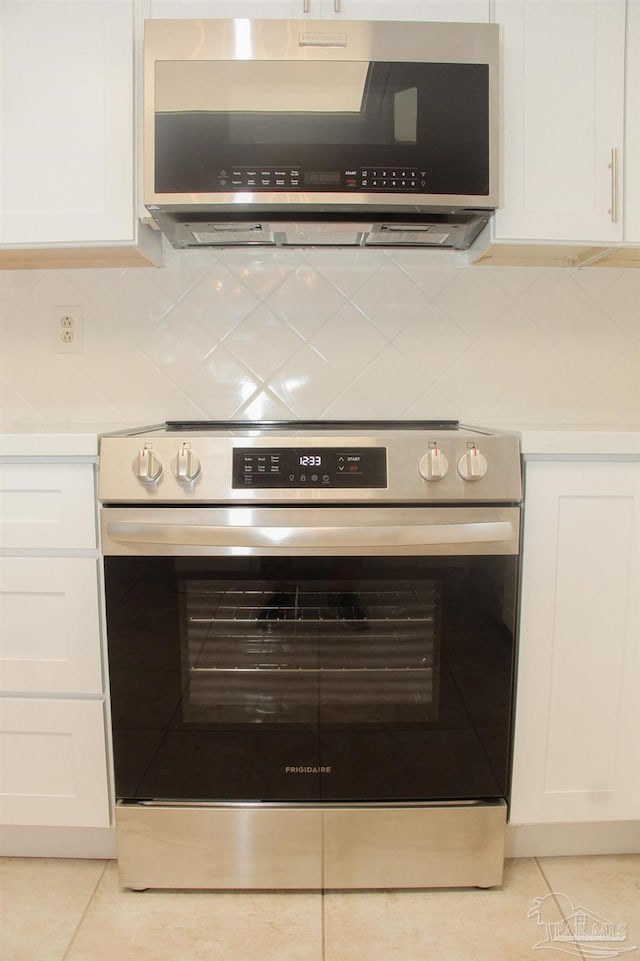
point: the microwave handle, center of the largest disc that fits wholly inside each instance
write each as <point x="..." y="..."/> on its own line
<point x="287" y="539"/>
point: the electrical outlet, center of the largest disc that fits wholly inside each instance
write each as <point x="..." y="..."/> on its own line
<point x="66" y="328"/>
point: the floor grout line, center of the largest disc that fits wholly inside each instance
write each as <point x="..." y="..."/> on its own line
<point x="86" y="908"/>
<point x="555" y="899"/>
<point x="323" y="944"/>
<point x="544" y="876"/>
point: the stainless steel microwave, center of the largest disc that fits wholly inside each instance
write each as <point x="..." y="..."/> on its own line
<point x="250" y="125"/>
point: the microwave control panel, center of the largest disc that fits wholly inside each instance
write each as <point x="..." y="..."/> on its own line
<point x="309" y="467"/>
<point x="291" y="178"/>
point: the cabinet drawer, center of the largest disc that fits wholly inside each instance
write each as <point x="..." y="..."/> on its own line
<point x="54" y="768"/>
<point x="49" y="625"/>
<point x="47" y="506"/>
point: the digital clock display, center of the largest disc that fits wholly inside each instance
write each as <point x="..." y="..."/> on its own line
<point x="312" y="468"/>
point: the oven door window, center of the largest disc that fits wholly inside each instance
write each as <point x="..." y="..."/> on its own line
<point x="310" y="678"/>
<point x="303" y="649"/>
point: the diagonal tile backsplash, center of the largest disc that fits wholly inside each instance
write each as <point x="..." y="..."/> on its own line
<point x="324" y="333"/>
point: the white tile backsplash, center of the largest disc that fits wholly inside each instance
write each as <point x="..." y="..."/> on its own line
<point x="324" y="333"/>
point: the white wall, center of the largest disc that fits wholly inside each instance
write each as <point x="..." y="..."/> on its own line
<point x="333" y="333"/>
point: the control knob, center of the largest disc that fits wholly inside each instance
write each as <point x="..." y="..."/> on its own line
<point x="147" y="467"/>
<point x="472" y="466"/>
<point x="186" y="466"/>
<point x="434" y="465"/>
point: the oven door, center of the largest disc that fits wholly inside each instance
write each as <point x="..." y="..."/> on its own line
<point x="311" y="654"/>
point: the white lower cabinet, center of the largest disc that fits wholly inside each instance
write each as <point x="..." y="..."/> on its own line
<point x="53" y="747"/>
<point x="49" y="625"/>
<point x="53" y="769"/>
<point x="577" y="749"/>
<point x="47" y="506"/>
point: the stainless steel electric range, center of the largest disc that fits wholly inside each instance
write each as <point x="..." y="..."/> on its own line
<point x="311" y="636"/>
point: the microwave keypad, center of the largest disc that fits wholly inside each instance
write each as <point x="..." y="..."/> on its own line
<point x="290" y="178"/>
<point x="392" y="178"/>
<point x="259" y="178"/>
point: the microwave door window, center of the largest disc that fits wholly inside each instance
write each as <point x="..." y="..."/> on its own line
<point x="237" y="87"/>
<point x="265" y="125"/>
<point x="291" y="102"/>
<point x="405" y="115"/>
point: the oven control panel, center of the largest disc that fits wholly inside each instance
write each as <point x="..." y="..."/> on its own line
<point x="408" y="466"/>
<point x="302" y="468"/>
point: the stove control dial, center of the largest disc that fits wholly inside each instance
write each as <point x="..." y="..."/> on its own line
<point x="434" y="465"/>
<point x="147" y="467"/>
<point x="472" y="466"/>
<point x="186" y="466"/>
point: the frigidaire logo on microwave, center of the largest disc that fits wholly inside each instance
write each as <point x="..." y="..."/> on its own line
<point x="309" y="769"/>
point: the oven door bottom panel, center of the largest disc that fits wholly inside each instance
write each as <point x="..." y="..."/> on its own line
<point x="315" y="847"/>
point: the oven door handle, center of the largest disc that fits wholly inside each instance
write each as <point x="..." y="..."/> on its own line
<point x="318" y="538"/>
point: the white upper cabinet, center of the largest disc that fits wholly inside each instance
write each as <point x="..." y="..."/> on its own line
<point x="563" y="120"/>
<point x="468" y="11"/>
<point x="66" y="123"/>
<point x="256" y="9"/>
<point x="462" y="10"/>
<point x="632" y="126"/>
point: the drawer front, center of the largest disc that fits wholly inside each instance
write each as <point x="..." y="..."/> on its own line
<point x="54" y="767"/>
<point x="47" y="506"/>
<point x="49" y="625"/>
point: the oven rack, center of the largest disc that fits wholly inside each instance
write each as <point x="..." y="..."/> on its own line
<point x="283" y="690"/>
<point x="289" y="631"/>
<point x="268" y="606"/>
<point x="362" y="652"/>
<point x="329" y="671"/>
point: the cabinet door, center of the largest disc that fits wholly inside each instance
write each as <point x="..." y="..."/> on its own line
<point x="46" y="506"/>
<point x="632" y="126"/>
<point x="49" y="625"/>
<point x="229" y="9"/>
<point x="54" y="768"/>
<point x="577" y="750"/>
<point x="563" y="82"/>
<point x="66" y="124"/>
<point x="465" y="11"/>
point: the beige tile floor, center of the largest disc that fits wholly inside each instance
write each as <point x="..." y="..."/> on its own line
<point x="74" y="910"/>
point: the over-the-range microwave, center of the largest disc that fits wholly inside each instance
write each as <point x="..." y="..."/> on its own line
<point x="320" y="132"/>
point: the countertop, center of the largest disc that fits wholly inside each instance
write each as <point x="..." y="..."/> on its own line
<point x="580" y="441"/>
<point x="54" y="440"/>
<point x="543" y="441"/>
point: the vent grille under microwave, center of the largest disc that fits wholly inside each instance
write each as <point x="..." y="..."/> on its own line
<point x="457" y="231"/>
